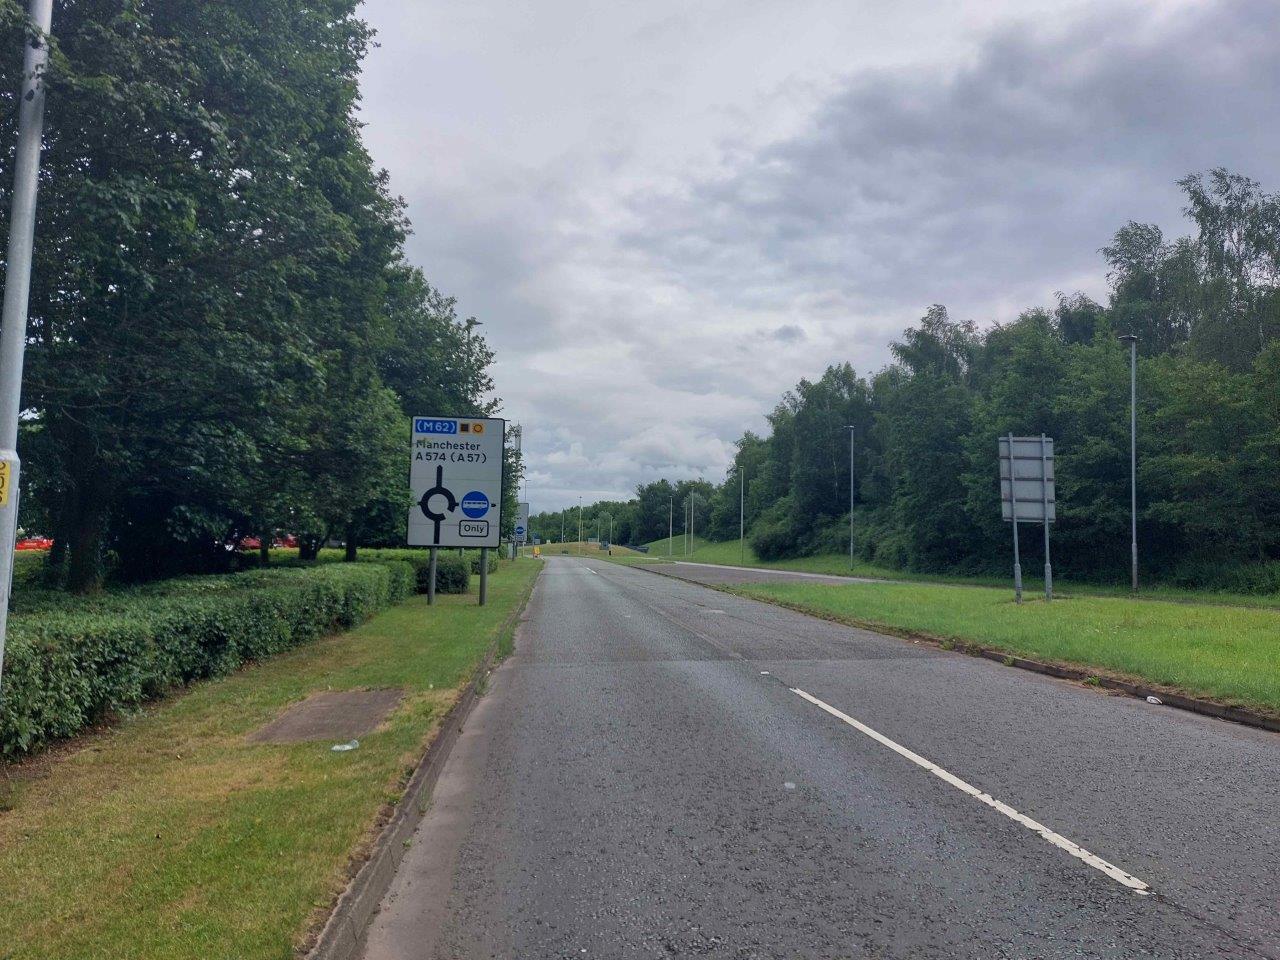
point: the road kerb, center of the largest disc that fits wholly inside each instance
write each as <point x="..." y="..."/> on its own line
<point x="343" y="933"/>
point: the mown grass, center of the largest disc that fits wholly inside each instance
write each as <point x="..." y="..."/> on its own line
<point x="1229" y="654"/>
<point x="170" y="836"/>
<point x="837" y="564"/>
<point x="577" y="548"/>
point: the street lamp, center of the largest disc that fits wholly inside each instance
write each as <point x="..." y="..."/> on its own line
<point x="671" y="524"/>
<point x="742" y="516"/>
<point x="1132" y="340"/>
<point x="472" y="385"/>
<point x="17" y="288"/>
<point x="851" y="488"/>
<point x="579" y="525"/>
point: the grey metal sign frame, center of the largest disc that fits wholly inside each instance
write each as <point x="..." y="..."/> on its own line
<point x="1028" y="494"/>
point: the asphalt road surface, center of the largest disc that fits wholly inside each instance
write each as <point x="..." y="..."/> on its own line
<point x="663" y="770"/>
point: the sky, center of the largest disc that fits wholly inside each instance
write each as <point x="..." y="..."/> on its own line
<point x="666" y="214"/>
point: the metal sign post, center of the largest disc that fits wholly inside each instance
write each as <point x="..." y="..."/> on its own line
<point x="1027" y="494"/>
<point x="455" y="478"/>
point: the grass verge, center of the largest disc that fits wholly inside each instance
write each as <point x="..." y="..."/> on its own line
<point x="728" y="553"/>
<point x="1223" y="653"/>
<point x="172" y="837"/>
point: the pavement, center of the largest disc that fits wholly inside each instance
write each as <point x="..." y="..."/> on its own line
<point x="663" y="770"/>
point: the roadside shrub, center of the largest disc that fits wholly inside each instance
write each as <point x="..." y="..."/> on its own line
<point x="66" y="667"/>
<point x="475" y="562"/>
<point x="453" y="574"/>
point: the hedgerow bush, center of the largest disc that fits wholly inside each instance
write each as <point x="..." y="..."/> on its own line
<point x="67" y="666"/>
<point x="453" y="572"/>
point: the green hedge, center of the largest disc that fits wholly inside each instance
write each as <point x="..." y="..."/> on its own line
<point x="453" y="572"/>
<point x="67" y="666"/>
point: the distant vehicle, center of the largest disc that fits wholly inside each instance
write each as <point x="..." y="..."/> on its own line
<point x="34" y="543"/>
<point x="255" y="543"/>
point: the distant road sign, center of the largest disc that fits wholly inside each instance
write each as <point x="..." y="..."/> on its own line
<point x="455" y="478"/>
<point x="521" y="531"/>
<point x="1027" y="479"/>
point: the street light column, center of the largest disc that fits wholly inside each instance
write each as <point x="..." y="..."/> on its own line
<point x="17" y="288"/>
<point x="1132" y="340"/>
<point x="851" y="489"/>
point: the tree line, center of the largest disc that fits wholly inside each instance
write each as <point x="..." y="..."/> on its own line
<point x="225" y="336"/>
<point x="1206" y="308"/>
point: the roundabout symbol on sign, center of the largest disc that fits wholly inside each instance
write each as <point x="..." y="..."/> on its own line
<point x="439" y="490"/>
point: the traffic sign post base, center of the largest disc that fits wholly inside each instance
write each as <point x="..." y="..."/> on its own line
<point x="431" y="579"/>
<point x="484" y="575"/>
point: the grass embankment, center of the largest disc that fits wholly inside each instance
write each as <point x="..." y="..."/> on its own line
<point x="728" y="553"/>
<point x="576" y="548"/>
<point x="172" y="837"/>
<point x="1228" y="654"/>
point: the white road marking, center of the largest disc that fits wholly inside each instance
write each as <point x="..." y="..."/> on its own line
<point x="1059" y="841"/>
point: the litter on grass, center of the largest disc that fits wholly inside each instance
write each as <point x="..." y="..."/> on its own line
<point x="344" y="747"/>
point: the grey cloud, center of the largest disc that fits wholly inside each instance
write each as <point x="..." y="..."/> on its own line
<point x="1002" y="179"/>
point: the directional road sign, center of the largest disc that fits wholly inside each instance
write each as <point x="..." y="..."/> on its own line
<point x="1027" y="479"/>
<point x="455" y="477"/>
<point x="521" y="530"/>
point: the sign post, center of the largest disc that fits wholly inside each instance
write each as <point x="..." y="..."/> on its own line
<point x="1027" y="495"/>
<point x="521" y="530"/>
<point x="455" y="479"/>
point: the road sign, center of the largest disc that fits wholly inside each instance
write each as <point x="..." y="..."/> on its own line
<point x="521" y="530"/>
<point x="455" y="478"/>
<point x="1028" y="495"/>
<point x="1027" y="479"/>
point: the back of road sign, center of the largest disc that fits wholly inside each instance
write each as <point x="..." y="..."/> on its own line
<point x="455" y="478"/>
<point x="1027" y="478"/>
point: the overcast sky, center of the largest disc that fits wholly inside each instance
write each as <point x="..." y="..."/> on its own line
<point x="666" y="213"/>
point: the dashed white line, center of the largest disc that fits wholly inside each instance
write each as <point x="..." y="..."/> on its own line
<point x="1059" y="841"/>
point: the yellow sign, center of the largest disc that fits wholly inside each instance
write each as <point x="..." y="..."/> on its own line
<point x="477" y="428"/>
<point x="5" y="474"/>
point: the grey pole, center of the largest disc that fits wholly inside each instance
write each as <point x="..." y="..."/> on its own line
<point x="1132" y="340"/>
<point x="851" y="488"/>
<point x="562" y="526"/>
<point x="671" y="525"/>
<point x="693" y="499"/>
<point x="579" y="526"/>
<point x="1044" y="491"/>
<point x="431" y="578"/>
<point x="484" y="575"/>
<point x="17" y="288"/>
<point x="1013" y="507"/>
<point x="742" y="525"/>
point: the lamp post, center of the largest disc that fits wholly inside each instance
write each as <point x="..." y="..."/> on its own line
<point x="671" y="525"/>
<point x="579" y="525"/>
<point x="851" y="489"/>
<point x="1132" y="340"/>
<point x="742" y="516"/>
<point x="17" y="288"/>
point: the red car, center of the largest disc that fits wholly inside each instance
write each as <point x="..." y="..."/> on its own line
<point x="34" y="543"/>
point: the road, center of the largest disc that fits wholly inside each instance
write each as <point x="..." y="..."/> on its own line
<point x="664" y="770"/>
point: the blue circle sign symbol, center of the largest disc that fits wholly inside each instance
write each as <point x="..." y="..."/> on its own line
<point x="475" y="504"/>
<point x="519" y="530"/>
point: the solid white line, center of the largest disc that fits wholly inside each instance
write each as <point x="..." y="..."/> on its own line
<point x="1059" y="841"/>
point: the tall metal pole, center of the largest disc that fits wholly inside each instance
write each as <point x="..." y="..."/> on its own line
<point x="671" y="525"/>
<point x="1132" y="340"/>
<point x="17" y="288"/>
<point x="562" y="526"/>
<point x="579" y="526"/>
<point x="484" y="575"/>
<point x="851" y="489"/>
<point x="1044" y="504"/>
<point x="742" y="514"/>
<point x="431" y="578"/>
